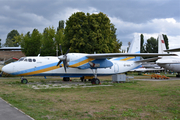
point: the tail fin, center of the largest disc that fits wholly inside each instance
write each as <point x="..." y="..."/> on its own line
<point x="161" y="44"/>
<point x="135" y="45"/>
<point x="134" y="48"/>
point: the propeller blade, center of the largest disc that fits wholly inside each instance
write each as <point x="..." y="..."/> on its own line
<point x="64" y="63"/>
<point x="61" y="49"/>
<point x="67" y="51"/>
<point x="59" y="63"/>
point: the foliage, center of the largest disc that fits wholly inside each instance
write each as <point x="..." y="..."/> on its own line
<point x="10" y="41"/>
<point x="142" y="44"/>
<point x="90" y="33"/>
<point x="61" y="25"/>
<point x="48" y="42"/>
<point x="31" y="43"/>
<point x="166" y="41"/>
<point x="151" y="45"/>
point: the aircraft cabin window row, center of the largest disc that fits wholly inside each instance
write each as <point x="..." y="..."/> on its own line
<point x="27" y="60"/>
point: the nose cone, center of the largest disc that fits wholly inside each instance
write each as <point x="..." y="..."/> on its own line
<point x="7" y="69"/>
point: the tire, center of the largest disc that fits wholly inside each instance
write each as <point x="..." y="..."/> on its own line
<point x="24" y="81"/>
<point x="95" y="81"/>
<point x="82" y="79"/>
<point x="66" y="78"/>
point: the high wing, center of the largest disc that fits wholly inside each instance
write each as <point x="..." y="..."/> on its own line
<point x="173" y="50"/>
<point x="111" y="55"/>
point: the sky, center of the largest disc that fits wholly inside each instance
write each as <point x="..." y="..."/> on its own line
<point x="147" y="17"/>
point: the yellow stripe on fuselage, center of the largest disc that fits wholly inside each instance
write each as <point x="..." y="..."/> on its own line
<point x="39" y="71"/>
<point x="56" y="67"/>
<point x="128" y="58"/>
<point x="81" y="63"/>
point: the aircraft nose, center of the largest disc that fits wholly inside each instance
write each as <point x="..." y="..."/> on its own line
<point x="6" y="69"/>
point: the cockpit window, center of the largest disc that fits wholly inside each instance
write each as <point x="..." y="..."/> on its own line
<point x="34" y="60"/>
<point x="21" y="59"/>
<point x="25" y="59"/>
<point x="30" y="60"/>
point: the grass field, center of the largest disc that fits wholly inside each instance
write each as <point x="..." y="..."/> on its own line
<point x="146" y="100"/>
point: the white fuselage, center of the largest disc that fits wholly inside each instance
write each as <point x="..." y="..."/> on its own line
<point x="46" y="66"/>
<point x="170" y="63"/>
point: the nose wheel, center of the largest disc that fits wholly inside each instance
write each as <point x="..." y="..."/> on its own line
<point x="24" y="81"/>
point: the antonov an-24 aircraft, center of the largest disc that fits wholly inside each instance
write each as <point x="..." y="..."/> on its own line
<point x="79" y="64"/>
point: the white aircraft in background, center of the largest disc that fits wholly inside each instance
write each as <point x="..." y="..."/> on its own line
<point x="148" y="66"/>
<point x="79" y="64"/>
<point x="168" y="62"/>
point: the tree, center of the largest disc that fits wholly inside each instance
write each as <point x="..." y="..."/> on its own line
<point x="166" y="41"/>
<point x="129" y="44"/>
<point x="90" y="33"/>
<point x="10" y="41"/>
<point x="142" y="44"/>
<point x="59" y="36"/>
<point x="48" y="46"/>
<point x="61" y="25"/>
<point x="76" y="33"/>
<point x="116" y="44"/>
<point x="151" y="45"/>
<point x="30" y="43"/>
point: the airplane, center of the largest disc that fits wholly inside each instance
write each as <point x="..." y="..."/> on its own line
<point x="148" y="67"/>
<point x="168" y="62"/>
<point x="79" y="64"/>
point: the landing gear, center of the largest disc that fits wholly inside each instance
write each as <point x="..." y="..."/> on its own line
<point x="82" y="79"/>
<point x="24" y="81"/>
<point x="85" y="78"/>
<point x="66" y="79"/>
<point x="95" y="80"/>
<point x="178" y="75"/>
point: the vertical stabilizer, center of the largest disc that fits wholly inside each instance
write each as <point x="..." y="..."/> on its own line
<point x="161" y="44"/>
<point x="134" y="48"/>
<point x="135" y="44"/>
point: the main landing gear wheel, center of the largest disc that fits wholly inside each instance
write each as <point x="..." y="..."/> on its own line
<point x="66" y="79"/>
<point x="82" y="79"/>
<point x="95" y="81"/>
<point x="24" y="81"/>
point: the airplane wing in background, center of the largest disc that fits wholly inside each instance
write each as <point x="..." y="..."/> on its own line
<point x="146" y="69"/>
<point x="173" y="50"/>
<point x="149" y="59"/>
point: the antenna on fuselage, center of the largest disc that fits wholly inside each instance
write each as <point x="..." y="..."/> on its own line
<point x="39" y="52"/>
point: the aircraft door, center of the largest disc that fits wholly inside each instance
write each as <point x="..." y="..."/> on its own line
<point x="116" y="68"/>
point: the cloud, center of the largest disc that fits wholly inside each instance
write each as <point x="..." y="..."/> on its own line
<point x="149" y="17"/>
<point x="151" y="28"/>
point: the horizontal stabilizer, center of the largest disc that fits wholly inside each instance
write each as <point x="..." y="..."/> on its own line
<point x="173" y="50"/>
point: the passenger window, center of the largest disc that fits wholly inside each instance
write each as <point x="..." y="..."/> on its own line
<point x="30" y="60"/>
<point x="34" y="60"/>
<point x="25" y="60"/>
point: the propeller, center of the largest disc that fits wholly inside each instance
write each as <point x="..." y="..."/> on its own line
<point x="63" y="58"/>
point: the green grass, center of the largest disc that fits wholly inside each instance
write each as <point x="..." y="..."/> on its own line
<point x="144" y="100"/>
